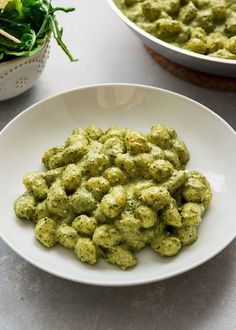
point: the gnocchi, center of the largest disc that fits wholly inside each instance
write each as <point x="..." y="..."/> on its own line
<point x="108" y="194"/>
<point x="206" y="27"/>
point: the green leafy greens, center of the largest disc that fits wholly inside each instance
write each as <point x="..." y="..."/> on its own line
<point x="29" y="22"/>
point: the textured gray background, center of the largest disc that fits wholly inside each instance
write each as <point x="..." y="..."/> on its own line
<point x="204" y="298"/>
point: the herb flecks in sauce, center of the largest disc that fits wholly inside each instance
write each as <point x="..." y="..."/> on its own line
<point x="108" y="194"/>
<point x="206" y="27"/>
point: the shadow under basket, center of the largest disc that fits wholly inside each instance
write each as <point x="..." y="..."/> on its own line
<point x="193" y="76"/>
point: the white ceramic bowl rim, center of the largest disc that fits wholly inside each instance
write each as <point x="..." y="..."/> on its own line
<point x="133" y="283"/>
<point x="166" y="44"/>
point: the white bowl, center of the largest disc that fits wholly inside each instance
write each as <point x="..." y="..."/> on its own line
<point x="211" y="142"/>
<point x="19" y="74"/>
<point x="203" y="63"/>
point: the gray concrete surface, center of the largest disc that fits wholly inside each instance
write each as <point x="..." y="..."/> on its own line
<point x="30" y="299"/>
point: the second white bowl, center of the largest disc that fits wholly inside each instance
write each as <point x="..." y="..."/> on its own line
<point x="203" y="63"/>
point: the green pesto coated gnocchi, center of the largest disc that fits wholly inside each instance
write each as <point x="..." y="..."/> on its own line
<point x="127" y="164"/>
<point x="130" y="227"/>
<point x="71" y="177"/>
<point x="160" y="170"/>
<point x="95" y="163"/>
<point x="25" y="206"/>
<point x="171" y="216"/>
<point x="156" y="197"/>
<point x="50" y="153"/>
<point x="115" y="176"/>
<point x="45" y="232"/>
<point x="170" y="246"/>
<point x="106" y="236"/>
<point x="84" y="225"/>
<point x="98" y="186"/>
<point x="86" y="250"/>
<point x="110" y="193"/>
<point x="147" y="216"/>
<point x="191" y="214"/>
<point x="113" y="146"/>
<point x="187" y="234"/>
<point x="172" y="157"/>
<point x="57" y="199"/>
<point x="143" y="162"/>
<point x="194" y="190"/>
<point x="52" y="175"/>
<point x="66" y="236"/>
<point x="113" y="202"/>
<point x="121" y="256"/>
<point x="35" y="184"/>
<point x="41" y="211"/>
<point x="135" y="142"/>
<point x="94" y="132"/>
<point x="166" y="245"/>
<point x="82" y="201"/>
<point x="201" y="26"/>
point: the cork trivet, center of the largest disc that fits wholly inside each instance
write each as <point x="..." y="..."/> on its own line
<point x="196" y="77"/>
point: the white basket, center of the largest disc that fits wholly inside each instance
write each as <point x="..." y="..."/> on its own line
<point x="18" y="75"/>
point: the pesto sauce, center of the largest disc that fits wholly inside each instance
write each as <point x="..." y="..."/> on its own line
<point x="206" y="27"/>
<point x="111" y="193"/>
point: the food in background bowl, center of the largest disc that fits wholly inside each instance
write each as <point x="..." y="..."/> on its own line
<point x="203" y="26"/>
<point x="208" y="64"/>
<point x="110" y="193"/>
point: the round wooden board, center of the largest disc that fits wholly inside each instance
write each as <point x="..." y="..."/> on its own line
<point x="195" y="77"/>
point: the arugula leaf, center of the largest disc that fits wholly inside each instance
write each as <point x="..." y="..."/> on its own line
<point x="13" y="6"/>
<point x="30" y="21"/>
<point x="57" y="32"/>
<point x="34" y="13"/>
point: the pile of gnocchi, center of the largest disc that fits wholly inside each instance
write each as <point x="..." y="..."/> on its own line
<point x="108" y="194"/>
<point x="203" y="26"/>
